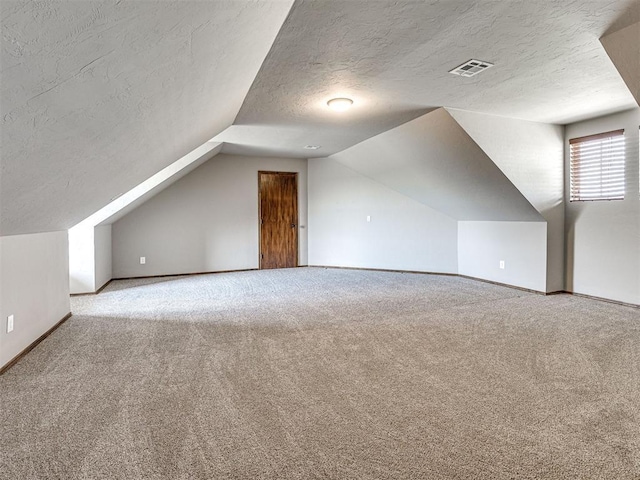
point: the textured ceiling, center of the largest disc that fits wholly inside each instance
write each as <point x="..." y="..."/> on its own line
<point x="393" y="59"/>
<point x="96" y="97"/>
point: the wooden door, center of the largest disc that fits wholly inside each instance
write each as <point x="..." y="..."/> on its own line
<point x="278" y="194"/>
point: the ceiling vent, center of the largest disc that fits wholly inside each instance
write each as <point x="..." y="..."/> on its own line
<point x="471" y="68"/>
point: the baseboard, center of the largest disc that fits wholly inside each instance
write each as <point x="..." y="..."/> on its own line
<point x="104" y="285"/>
<point x="601" y="299"/>
<point x="93" y="293"/>
<point x="420" y="272"/>
<point x="435" y="273"/>
<point x="385" y="270"/>
<point x="186" y="274"/>
<point x="33" y="344"/>
<point x="523" y="289"/>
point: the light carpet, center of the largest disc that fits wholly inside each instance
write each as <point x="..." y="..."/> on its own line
<point x="329" y="374"/>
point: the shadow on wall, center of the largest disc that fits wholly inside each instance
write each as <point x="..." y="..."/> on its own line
<point x="569" y="258"/>
<point x="630" y="16"/>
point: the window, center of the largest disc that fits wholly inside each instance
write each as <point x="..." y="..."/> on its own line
<point x="597" y="167"/>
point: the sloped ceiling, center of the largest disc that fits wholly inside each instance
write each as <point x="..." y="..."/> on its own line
<point x="98" y="96"/>
<point x="530" y="154"/>
<point x="623" y="47"/>
<point x="393" y="58"/>
<point x="131" y="200"/>
<point x="432" y="160"/>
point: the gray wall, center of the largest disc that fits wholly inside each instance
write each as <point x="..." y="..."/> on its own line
<point x="434" y="161"/>
<point x="531" y="155"/>
<point x="206" y="221"/>
<point x="521" y="245"/>
<point x="403" y="234"/>
<point x="623" y="48"/>
<point x="102" y="251"/>
<point x="34" y="287"/>
<point x="603" y="238"/>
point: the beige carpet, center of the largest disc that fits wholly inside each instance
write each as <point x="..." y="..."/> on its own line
<point x="332" y="374"/>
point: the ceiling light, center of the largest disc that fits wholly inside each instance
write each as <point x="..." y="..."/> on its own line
<point x="471" y="68"/>
<point x="340" y="104"/>
<point x="312" y="147"/>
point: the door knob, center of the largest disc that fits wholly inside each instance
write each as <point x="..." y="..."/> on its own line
<point x="293" y="225"/>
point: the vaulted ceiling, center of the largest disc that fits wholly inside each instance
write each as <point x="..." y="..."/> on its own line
<point x="97" y="96"/>
<point x="393" y="59"/>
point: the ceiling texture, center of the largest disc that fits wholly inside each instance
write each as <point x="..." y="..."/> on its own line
<point x="97" y="96"/>
<point x="393" y="59"/>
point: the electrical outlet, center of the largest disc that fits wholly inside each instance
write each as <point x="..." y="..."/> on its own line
<point x="368" y="218"/>
<point x="502" y="264"/>
<point x="143" y="260"/>
<point x="10" y="324"/>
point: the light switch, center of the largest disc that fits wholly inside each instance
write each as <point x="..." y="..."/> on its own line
<point x="10" y="324"/>
<point x="143" y="260"/>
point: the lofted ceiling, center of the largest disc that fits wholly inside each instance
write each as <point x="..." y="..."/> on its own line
<point x="393" y="59"/>
<point x="98" y="96"/>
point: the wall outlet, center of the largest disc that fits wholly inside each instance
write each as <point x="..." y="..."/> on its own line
<point x="10" y="324"/>
<point x="502" y="264"/>
<point x="143" y="260"/>
<point x="368" y="218"/>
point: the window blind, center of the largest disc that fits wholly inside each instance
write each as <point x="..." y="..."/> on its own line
<point x="597" y="167"/>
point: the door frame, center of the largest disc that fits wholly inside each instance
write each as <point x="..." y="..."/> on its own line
<point x="297" y="219"/>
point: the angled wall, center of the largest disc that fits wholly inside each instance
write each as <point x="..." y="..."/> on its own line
<point x="99" y="96"/>
<point x="434" y="161"/>
<point x="623" y="48"/>
<point x="531" y="155"/>
<point x="401" y="234"/>
<point x="513" y="253"/>
<point x="432" y="175"/>
<point x="90" y="240"/>
<point x="206" y="221"/>
<point x="103" y="262"/>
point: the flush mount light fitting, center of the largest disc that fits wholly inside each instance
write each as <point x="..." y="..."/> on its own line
<point x="312" y="147"/>
<point x="340" y="104"/>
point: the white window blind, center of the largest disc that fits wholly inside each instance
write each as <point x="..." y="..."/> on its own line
<point x="597" y="167"/>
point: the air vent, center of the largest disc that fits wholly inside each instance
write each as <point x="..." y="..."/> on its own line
<point x="471" y="68"/>
<point x="312" y="147"/>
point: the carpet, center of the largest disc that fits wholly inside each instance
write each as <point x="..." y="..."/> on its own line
<point x="327" y="374"/>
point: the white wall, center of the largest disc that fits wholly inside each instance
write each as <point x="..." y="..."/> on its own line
<point x="521" y="245"/>
<point x="206" y="221"/>
<point x="81" y="260"/>
<point x="531" y="155"/>
<point x="90" y="262"/>
<point x="34" y="287"/>
<point x="403" y="234"/>
<point x="603" y="237"/>
<point x="102" y="252"/>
